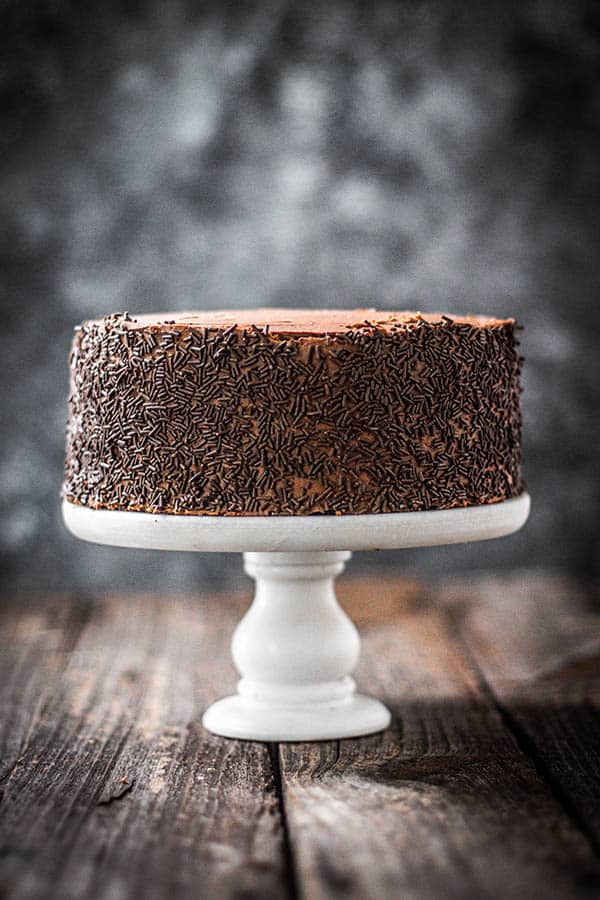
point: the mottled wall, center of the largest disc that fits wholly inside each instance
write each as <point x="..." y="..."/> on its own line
<point x="180" y="155"/>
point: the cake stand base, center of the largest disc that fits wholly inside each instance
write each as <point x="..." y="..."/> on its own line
<point x="236" y="717"/>
<point x="295" y="648"/>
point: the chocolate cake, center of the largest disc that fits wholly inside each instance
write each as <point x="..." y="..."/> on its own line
<point x="293" y="412"/>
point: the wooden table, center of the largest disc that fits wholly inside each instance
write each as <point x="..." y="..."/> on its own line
<point x="486" y="786"/>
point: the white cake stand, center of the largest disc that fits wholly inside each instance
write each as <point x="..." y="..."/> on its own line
<point x="295" y="648"/>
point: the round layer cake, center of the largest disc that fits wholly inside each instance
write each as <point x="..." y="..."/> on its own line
<point x="293" y="412"/>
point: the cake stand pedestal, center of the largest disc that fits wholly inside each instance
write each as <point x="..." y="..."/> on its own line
<point x="296" y="648"/>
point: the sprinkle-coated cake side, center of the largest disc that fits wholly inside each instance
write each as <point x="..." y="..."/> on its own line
<point x="375" y="413"/>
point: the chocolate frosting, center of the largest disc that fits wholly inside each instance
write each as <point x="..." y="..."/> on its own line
<point x="307" y="322"/>
<point x="293" y="412"/>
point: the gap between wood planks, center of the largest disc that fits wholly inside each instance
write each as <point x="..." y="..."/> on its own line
<point x="526" y="745"/>
<point x="455" y="616"/>
<point x="290" y="863"/>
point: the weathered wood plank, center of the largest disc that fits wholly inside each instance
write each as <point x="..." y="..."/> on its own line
<point x="118" y="792"/>
<point x="35" y="640"/>
<point x="536" y="641"/>
<point x="443" y="805"/>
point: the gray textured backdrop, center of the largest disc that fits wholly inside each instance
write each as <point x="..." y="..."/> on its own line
<point x="429" y="155"/>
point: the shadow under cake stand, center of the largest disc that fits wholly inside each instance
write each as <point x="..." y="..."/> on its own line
<point x="295" y="648"/>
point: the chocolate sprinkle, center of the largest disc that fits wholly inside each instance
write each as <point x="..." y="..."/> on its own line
<point x="243" y="421"/>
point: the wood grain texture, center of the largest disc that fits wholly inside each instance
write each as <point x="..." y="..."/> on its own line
<point x="118" y="792"/>
<point x="536" y="642"/>
<point x="443" y="805"/>
<point x="35" y="641"/>
<point x="485" y="787"/>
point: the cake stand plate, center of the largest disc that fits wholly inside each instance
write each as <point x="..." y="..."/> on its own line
<point x="295" y="647"/>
